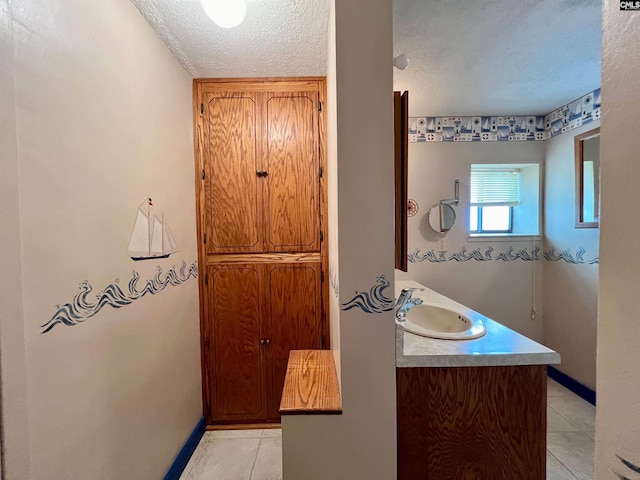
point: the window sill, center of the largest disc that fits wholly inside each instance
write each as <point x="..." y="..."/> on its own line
<point x="502" y="237"/>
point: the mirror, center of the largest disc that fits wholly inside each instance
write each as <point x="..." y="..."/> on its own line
<point x="442" y="217"/>
<point x="587" y="151"/>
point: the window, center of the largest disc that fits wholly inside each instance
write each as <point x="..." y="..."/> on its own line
<point x="491" y="219"/>
<point x="504" y="200"/>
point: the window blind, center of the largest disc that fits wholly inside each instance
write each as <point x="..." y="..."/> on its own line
<point x="494" y="187"/>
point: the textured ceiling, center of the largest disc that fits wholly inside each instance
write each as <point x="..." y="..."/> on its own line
<point x="277" y="38"/>
<point x="468" y="57"/>
<point x="496" y="56"/>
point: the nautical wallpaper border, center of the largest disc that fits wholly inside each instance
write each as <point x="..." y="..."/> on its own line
<point x="504" y="128"/>
<point x="376" y="301"/>
<point x="488" y="254"/>
<point x="81" y="307"/>
<point x="566" y="256"/>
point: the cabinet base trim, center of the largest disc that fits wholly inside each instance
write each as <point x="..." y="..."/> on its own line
<point x="244" y="426"/>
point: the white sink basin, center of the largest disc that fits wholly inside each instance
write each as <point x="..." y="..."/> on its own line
<point x="439" y="322"/>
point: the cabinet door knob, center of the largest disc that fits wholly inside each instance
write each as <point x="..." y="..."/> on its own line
<point x="262" y="342"/>
<point x="267" y="341"/>
<point x="262" y="173"/>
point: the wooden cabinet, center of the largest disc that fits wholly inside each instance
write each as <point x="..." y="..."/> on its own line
<point x="262" y="177"/>
<point x="232" y="191"/>
<point x="291" y="199"/>
<point x="238" y="333"/>
<point x="472" y="422"/>
<point x="259" y="312"/>
<point x="295" y="312"/>
<point x="261" y="200"/>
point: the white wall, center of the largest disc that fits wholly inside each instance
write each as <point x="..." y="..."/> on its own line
<point x="15" y="435"/>
<point x="364" y="77"/>
<point x="618" y="382"/>
<point x="570" y="290"/>
<point x="526" y="218"/>
<point x="332" y="184"/>
<point x="103" y="120"/>
<point x="360" y="443"/>
<point x="503" y="290"/>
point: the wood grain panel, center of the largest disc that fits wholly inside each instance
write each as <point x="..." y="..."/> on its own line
<point x="232" y="200"/>
<point x="296" y="321"/>
<point x="238" y="366"/>
<point x="401" y="159"/>
<point x="265" y="258"/>
<point x="291" y="157"/>
<point x="472" y="423"/>
<point x="324" y="212"/>
<point x="269" y="84"/>
<point x="311" y="384"/>
<point x="244" y="426"/>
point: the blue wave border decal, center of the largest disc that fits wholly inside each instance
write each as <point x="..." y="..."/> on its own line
<point x="463" y="256"/>
<point x="477" y="255"/>
<point x="419" y="256"/>
<point x="81" y="308"/>
<point x="509" y="255"/>
<point x="374" y="301"/>
<point x="631" y="466"/>
<point x="565" y="255"/>
<point x="524" y="254"/>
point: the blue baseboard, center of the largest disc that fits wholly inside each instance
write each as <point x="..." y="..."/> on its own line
<point x="185" y="454"/>
<point x="571" y="384"/>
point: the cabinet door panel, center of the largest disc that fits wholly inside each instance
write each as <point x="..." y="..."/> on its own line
<point x="292" y="161"/>
<point x="238" y="363"/>
<point x="296" y="320"/>
<point x="232" y="215"/>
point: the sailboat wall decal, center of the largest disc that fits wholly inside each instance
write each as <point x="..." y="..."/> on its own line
<point x="151" y="237"/>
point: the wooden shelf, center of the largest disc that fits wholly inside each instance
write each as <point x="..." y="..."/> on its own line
<point x="311" y="384"/>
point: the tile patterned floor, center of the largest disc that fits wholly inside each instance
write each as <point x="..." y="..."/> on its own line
<point x="237" y="455"/>
<point x="570" y="432"/>
<point x="257" y="454"/>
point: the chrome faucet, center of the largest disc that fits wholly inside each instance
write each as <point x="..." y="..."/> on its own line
<point x="404" y="303"/>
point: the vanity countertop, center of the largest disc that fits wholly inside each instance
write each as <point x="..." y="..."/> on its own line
<point x="498" y="347"/>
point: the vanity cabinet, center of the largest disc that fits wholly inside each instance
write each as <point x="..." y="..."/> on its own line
<point x="261" y="201"/>
<point x="472" y="422"/>
<point x="470" y="409"/>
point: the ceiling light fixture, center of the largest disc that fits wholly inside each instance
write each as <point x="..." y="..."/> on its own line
<point x="401" y="61"/>
<point x="225" y="13"/>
